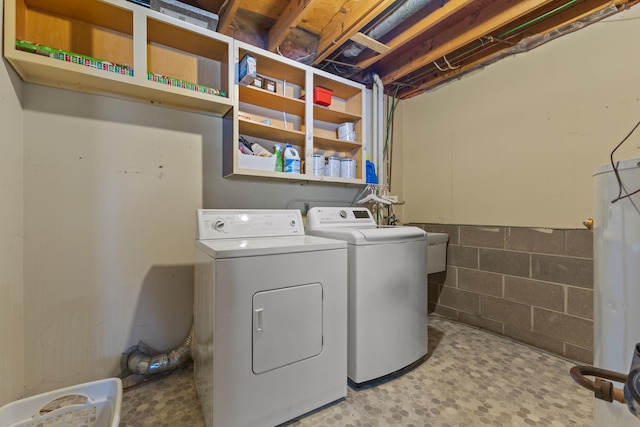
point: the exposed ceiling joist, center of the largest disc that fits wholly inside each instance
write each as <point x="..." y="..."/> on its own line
<point x="562" y="19"/>
<point x="226" y="14"/>
<point x="289" y="18"/>
<point x="420" y="27"/>
<point x="372" y="44"/>
<point x="437" y="42"/>
<point x="471" y="29"/>
<point x="353" y="16"/>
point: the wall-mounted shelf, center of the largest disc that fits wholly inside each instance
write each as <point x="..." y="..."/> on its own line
<point x="271" y="100"/>
<point x="263" y="131"/>
<point x="115" y="47"/>
<point x="289" y="115"/>
<point x="191" y="60"/>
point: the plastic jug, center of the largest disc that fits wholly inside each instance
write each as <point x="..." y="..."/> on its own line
<point x="371" y="176"/>
<point x="291" y="160"/>
<point x="277" y="151"/>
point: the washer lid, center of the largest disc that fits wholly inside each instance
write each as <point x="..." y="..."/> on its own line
<point x="372" y="235"/>
<point x="237" y="248"/>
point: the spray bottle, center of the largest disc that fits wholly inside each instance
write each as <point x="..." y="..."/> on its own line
<point x="277" y="151"/>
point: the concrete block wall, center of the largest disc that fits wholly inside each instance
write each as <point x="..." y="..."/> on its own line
<point x="532" y="285"/>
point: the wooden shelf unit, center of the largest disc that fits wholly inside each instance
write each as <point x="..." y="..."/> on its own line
<point x="122" y="33"/>
<point x="347" y="106"/>
<point x="290" y="116"/>
<point x="155" y="49"/>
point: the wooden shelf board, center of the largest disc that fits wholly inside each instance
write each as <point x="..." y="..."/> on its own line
<point x="276" y="70"/>
<point x="95" y="12"/>
<point x="337" y="179"/>
<point x="52" y="72"/>
<point x="296" y="176"/>
<point x="259" y="130"/>
<point x="334" y="144"/>
<point x="326" y="114"/>
<point x="264" y="98"/>
<point x="185" y="40"/>
<point x="339" y="89"/>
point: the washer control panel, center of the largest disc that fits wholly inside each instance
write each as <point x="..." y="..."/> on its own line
<point x="339" y="217"/>
<point x="238" y="224"/>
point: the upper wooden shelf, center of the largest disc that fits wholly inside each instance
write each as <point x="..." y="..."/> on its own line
<point x="260" y="130"/>
<point x="340" y="90"/>
<point x="264" y="98"/>
<point x="186" y="56"/>
<point x="273" y="68"/>
<point x="324" y="143"/>
<point x="326" y="114"/>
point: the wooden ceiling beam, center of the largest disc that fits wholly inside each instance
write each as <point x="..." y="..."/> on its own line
<point x="472" y="28"/>
<point x="562" y="19"/>
<point x="227" y="12"/>
<point x="353" y="16"/>
<point x="367" y="41"/>
<point x="416" y="30"/>
<point x="289" y="18"/>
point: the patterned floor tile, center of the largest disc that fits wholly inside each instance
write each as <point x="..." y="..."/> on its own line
<point x="469" y="378"/>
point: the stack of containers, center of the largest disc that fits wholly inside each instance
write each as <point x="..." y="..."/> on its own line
<point x="318" y="164"/>
<point x="333" y="166"/>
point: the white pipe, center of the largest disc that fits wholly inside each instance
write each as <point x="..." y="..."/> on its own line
<point x="373" y="148"/>
<point x="378" y="123"/>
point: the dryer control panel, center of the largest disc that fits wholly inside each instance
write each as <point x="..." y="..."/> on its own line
<point x="239" y="224"/>
<point x="351" y="217"/>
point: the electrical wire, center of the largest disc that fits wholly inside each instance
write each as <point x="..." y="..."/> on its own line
<point x="503" y="37"/>
<point x="390" y="120"/>
<point x="614" y="165"/>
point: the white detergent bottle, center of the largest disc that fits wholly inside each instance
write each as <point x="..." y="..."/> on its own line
<point x="291" y="160"/>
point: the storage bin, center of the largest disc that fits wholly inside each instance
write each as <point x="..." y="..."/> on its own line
<point x="247" y="161"/>
<point x="322" y="96"/>
<point x="93" y="404"/>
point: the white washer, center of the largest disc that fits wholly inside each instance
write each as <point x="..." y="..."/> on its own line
<point x="270" y="318"/>
<point x="387" y="290"/>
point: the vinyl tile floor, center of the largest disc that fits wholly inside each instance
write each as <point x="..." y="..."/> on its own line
<point x="470" y="377"/>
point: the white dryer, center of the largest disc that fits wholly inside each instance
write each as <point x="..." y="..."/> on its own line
<point x="387" y="290"/>
<point x="270" y="318"/>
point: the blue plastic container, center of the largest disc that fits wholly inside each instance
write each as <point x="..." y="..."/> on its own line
<point x="371" y="176"/>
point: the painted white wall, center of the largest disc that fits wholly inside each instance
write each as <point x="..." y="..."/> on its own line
<point x="517" y="143"/>
<point x="110" y="192"/>
<point x="11" y="231"/>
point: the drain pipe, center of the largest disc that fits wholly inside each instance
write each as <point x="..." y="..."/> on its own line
<point x="373" y="148"/>
<point x="378" y="124"/>
<point x="143" y="360"/>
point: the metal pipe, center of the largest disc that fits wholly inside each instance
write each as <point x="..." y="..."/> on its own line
<point x="603" y="390"/>
<point x="137" y="359"/>
<point x="403" y="12"/>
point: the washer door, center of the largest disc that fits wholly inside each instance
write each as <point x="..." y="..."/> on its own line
<point x="287" y="326"/>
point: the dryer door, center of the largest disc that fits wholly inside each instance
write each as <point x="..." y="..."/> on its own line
<point x="287" y="326"/>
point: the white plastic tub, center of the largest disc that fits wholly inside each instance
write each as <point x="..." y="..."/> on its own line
<point x="93" y="404"/>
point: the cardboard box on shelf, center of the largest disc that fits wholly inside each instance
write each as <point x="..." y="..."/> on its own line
<point x="247" y="70"/>
<point x="187" y="13"/>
